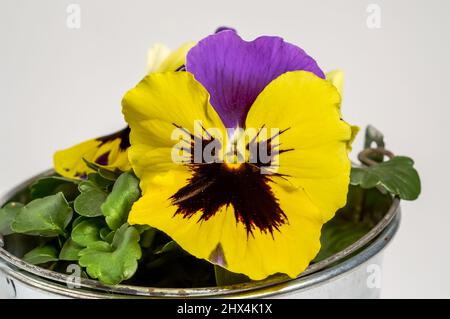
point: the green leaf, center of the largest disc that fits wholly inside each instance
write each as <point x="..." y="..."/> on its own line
<point x="47" y="217"/>
<point x="166" y="254"/>
<point x="87" y="231"/>
<point x="171" y="248"/>
<point x="113" y="263"/>
<point x="105" y="173"/>
<point x="7" y="215"/>
<point x="70" y="251"/>
<point x="338" y="234"/>
<point x="118" y="204"/>
<point x="364" y="209"/>
<point x="52" y="185"/>
<point x="397" y="176"/>
<point x="41" y="255"/>
<point x="89" y="202"/>
<point x="227" y="278"/>
<point x="100" y="181"/>
<point x="109" y="175"/>
<point x="143" y="228"/>
<point x="107" y="234"/>
<point x="77" y="220"/>
<point x="148" y="237"/>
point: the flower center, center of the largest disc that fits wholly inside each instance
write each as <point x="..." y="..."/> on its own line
<point x="233" y="167"/>
<point x="242" y="184"/>
<point x="215" y="186"/>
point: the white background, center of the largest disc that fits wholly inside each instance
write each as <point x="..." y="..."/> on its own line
<point x="59" y="86"/>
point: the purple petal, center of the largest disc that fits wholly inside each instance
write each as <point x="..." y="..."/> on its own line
<point x="235" y="71"/>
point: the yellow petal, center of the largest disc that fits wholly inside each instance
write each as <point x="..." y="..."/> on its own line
<point x="289" y="250"/>
<point x="174" y="60"/>
<point x="155" y="209"/>
<point x="117" y="157"/>
<point x="225" y="242"/>
<point x="355" y="130"/>
<point x="69" y="163"/>
<point x="156" y="55"/>
<point x="106" y="151"/>
<point x="308" y="107"/>
<point x="153" y="108"/>
<point x="336" y="77"/>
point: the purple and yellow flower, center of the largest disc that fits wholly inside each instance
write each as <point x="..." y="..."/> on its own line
<point x="111" y="152"/>
<point x="230" y="212"/>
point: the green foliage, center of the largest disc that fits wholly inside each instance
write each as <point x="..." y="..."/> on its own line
<point x="103" y="172"/>
<point x="228" y="278"/>
<point x="97" y="235"/>
<point x="7" y="215"/>
<point x="166" y="264"/>
<point x="87" y="231"/>
<point x="107" y="234"/>
<point x="70" y="251"/>
<point x="171" y="248"/>
<point x="115" y="262"/>
<point x="52" y="185"/>
<point x="148" y="237"/>
<point x="338" y="234"/>
<point x="46" y="217"/>
<point x="397" y="176"/>
<point x="41" y="255"/>
<point x="118" y="203"/>
<point x="93" y="194"/>
<point x="364" y="209"/>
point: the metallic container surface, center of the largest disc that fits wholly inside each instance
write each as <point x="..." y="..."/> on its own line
<point x="353" y="273"/>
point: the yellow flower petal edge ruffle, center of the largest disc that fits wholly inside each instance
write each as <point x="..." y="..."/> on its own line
<point x="336" y="77"/>
<point x="156" y="56"/>
<point x="310" y="184"/>
<point x="108" y="152"/>
<point x="161" y="59"/>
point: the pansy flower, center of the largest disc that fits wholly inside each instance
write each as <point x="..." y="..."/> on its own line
<point x="244" y="213"/>
<point x="111" y="151"/>
<point x="107" y="151"/>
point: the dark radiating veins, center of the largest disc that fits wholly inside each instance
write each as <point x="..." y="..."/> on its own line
<point x="242" y="186"/>
<point x="123" y="135"/>
<point x="213" y="186"/>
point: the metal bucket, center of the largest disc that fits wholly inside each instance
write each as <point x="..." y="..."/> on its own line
<point x="354" y="272"/>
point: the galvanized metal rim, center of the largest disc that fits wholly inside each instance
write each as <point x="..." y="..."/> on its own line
<point x="276" y="290"/>
<point x="315" y="273"/>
